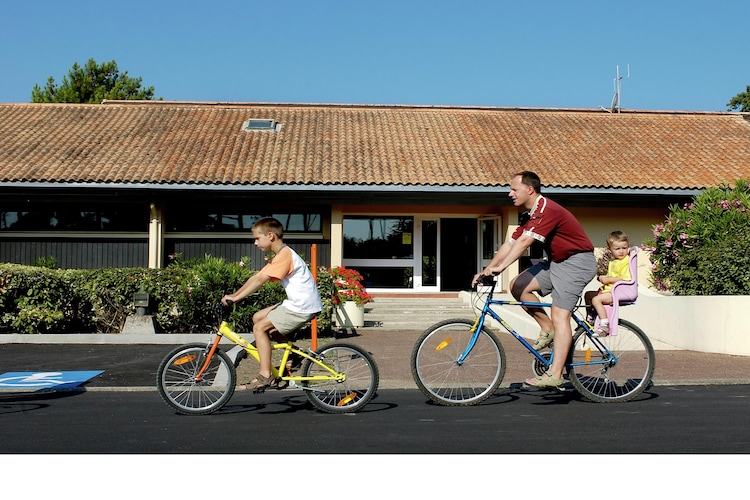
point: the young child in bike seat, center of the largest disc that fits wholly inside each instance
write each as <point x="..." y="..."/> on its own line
<point x="618" y="270"/>
<point x="301" y="305"/>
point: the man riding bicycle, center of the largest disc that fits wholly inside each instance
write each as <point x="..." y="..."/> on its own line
<point x="569" y="267"/>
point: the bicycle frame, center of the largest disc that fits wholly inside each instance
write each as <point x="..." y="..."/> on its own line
<point x="200" y="378"/>
<point x="288" y="348"/>
<point x="609" y="359"/>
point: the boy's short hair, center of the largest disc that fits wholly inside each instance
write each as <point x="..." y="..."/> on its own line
<point x="616" y="236"/>
<point x="269" y="225"/>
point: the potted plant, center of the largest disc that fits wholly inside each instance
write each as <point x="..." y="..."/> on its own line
<point x="349" y="297"/>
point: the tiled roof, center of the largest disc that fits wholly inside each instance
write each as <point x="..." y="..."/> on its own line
<point x="161" y="142"/>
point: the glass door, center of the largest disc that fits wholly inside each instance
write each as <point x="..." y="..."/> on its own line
<point x="426" y="275"/>
<point x="489" y="239"/>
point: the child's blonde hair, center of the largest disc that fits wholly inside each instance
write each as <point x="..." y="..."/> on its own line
<point x="616" y="236"/>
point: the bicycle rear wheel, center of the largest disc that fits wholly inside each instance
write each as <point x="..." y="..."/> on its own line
<point x="178" y="387"/>
<point x="346" y="396"/>
<point x="438" y="374"/>
<point x="613" y="380"/>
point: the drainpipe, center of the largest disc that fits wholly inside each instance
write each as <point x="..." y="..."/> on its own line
<point x="155" y="238"/>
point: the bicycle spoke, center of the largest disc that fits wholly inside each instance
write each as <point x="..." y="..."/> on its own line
<point x="439" y="374"/>
<point x="615" y="368"/>
<point x="341" y="396"/>
<point x="179" y="387"/>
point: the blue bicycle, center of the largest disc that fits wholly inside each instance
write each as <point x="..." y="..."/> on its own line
<point x="461" y="362"/>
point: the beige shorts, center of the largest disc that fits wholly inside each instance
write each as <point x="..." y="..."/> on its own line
<point x="286" y="321"/>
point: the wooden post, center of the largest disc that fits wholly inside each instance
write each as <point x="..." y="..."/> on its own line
<point x="314" y="265"/>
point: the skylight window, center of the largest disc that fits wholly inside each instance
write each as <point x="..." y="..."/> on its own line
<point x="259" y="124"/>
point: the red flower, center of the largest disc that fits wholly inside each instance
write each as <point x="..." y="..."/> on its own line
<point x="347" y="286"/>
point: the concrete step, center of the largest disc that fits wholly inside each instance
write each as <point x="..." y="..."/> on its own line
<point x="414" y="313"/>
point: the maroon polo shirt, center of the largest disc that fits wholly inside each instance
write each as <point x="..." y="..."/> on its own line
<point x="559" y="231"/>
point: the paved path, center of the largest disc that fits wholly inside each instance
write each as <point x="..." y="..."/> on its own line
<point x="131" y="361"/>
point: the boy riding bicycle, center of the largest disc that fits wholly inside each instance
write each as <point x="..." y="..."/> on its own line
<point x="301" y="305"/>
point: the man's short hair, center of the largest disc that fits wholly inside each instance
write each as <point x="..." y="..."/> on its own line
<point x="530" y="179"/>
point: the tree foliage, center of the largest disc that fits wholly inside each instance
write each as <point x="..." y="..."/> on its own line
<point x="92" y="84"/>
<point x="740" y="102"/>
<point x="701" y="248"/>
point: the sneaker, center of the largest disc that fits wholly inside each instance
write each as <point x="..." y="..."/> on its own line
<point x="601" y="331"/>
<point x="590" y="315"/>
<point x="545" y="339"/>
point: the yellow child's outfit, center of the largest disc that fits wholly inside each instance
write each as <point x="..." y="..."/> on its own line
<point x="618" y="268"/>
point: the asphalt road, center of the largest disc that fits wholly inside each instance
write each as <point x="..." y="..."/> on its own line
<point x="680" y="419"/>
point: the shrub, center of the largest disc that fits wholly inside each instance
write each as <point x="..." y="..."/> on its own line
<point x="40" y="300"/>
<point x="701" y="248"/>
<point x="182" y="297"/>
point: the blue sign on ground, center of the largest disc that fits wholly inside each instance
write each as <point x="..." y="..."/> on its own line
<point x="46" y="380"/>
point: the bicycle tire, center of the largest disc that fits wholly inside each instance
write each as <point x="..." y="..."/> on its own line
<point x="178" y="387"/>
<point x="615" y="382"/>
<point x="438" y="375"/>
<point x="348" y="395"/>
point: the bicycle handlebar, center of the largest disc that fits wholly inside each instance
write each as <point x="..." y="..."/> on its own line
<point x="220" y="307"/>
<point x="223" y="311"/>
<point x="485" y="280"/>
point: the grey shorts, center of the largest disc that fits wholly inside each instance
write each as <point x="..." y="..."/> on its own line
<point x="565" y="280"/>
<point x="286" y="321"/>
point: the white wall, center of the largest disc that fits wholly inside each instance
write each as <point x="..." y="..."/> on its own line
<point x="700" y="323"/>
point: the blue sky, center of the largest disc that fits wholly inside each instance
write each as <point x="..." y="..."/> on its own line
<point x="683" y="55"/>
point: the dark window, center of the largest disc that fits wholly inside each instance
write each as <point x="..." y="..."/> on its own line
<point x="47" y="218"/>
<point x="197" y="220"/>
<point x="378" y="237"/>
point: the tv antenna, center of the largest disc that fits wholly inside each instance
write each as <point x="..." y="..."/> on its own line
<point x="615" y="107"/>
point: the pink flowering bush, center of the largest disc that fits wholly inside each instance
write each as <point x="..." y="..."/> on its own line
<point x="702" y="247"/>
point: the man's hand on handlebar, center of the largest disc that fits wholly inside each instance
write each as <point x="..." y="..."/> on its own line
<point x="482" y="279"/>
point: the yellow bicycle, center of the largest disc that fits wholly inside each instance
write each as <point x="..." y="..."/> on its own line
<point x="199" y="379"/>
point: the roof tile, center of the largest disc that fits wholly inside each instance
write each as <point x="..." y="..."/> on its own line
<point x="159" y="142"/>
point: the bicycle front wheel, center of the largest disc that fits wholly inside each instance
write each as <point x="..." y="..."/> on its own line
<point x="441" y="377"/>
<point x="177" y="381"/>
<point x="341" y="396"/>
<point x="610" y="379"/>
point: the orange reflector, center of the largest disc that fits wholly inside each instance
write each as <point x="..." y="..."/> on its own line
<point x="347" y="400"/>
<point x="587" y="358"/>
<point x="442" y="345"/>
<point x="184" y="359"/>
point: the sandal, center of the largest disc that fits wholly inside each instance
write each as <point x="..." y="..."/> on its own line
<point x="545" y="381"/>
<point x="259" y="384"/>
<point x="545" y="339"/>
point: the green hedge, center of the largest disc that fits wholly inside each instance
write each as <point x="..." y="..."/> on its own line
<point x="182" y="297"/>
